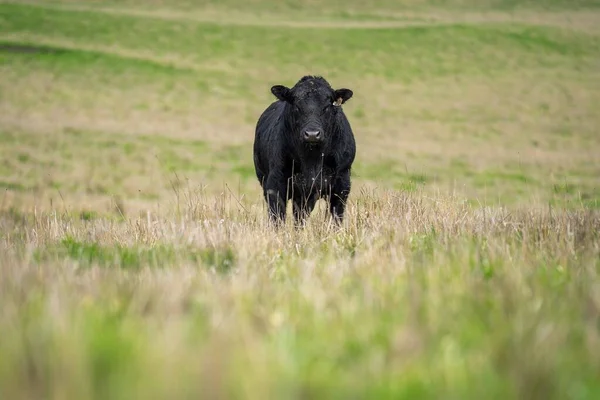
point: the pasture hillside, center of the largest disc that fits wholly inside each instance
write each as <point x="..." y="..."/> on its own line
<point x="135" y="255"/>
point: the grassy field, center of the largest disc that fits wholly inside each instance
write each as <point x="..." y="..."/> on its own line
<point x="135" y="256"/>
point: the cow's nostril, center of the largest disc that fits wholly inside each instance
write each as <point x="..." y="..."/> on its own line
<point x="312" y="135"/>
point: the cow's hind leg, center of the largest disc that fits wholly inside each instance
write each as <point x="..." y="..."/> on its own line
<point x="339" y="195"/>
<point x="275" y="196"/>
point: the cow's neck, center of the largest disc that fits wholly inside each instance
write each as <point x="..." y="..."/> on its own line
<point x="312" y="161"/>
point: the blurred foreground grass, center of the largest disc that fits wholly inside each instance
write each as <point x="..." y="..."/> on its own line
<point x="415" y="298"/>
<point x="135" y="260"/>
<point x="98" y="104"/>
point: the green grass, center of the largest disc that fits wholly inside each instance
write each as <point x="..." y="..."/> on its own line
<point x="135" y="256"/>
<point x="155" y="256"/>
<point x="419" y="46"/>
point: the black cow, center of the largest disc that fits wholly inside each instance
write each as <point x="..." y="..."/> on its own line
<point x="304" y="149"/>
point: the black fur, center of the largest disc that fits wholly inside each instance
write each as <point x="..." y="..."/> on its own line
<point x="288" y="166"/>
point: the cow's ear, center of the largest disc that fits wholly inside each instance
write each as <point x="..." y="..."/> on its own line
<point x="341" y="96"/>
<point x="281" y="92"/>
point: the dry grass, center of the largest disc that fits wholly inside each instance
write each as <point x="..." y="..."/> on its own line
<point x="413" y="297"/>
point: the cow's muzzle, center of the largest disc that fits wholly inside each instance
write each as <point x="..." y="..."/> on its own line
<point x="312" y="136"/>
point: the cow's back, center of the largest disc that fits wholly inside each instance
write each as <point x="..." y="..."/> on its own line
<point x="345" y="142"/>
<point x="268" y="137"/>
<point x="269" y="120"/>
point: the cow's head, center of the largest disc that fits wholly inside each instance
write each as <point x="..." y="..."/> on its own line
<point x="313" y="106"/>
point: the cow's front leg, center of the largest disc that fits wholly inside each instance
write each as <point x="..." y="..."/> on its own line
<point x="302" y="208"/>
<point x="339" y="195"/>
